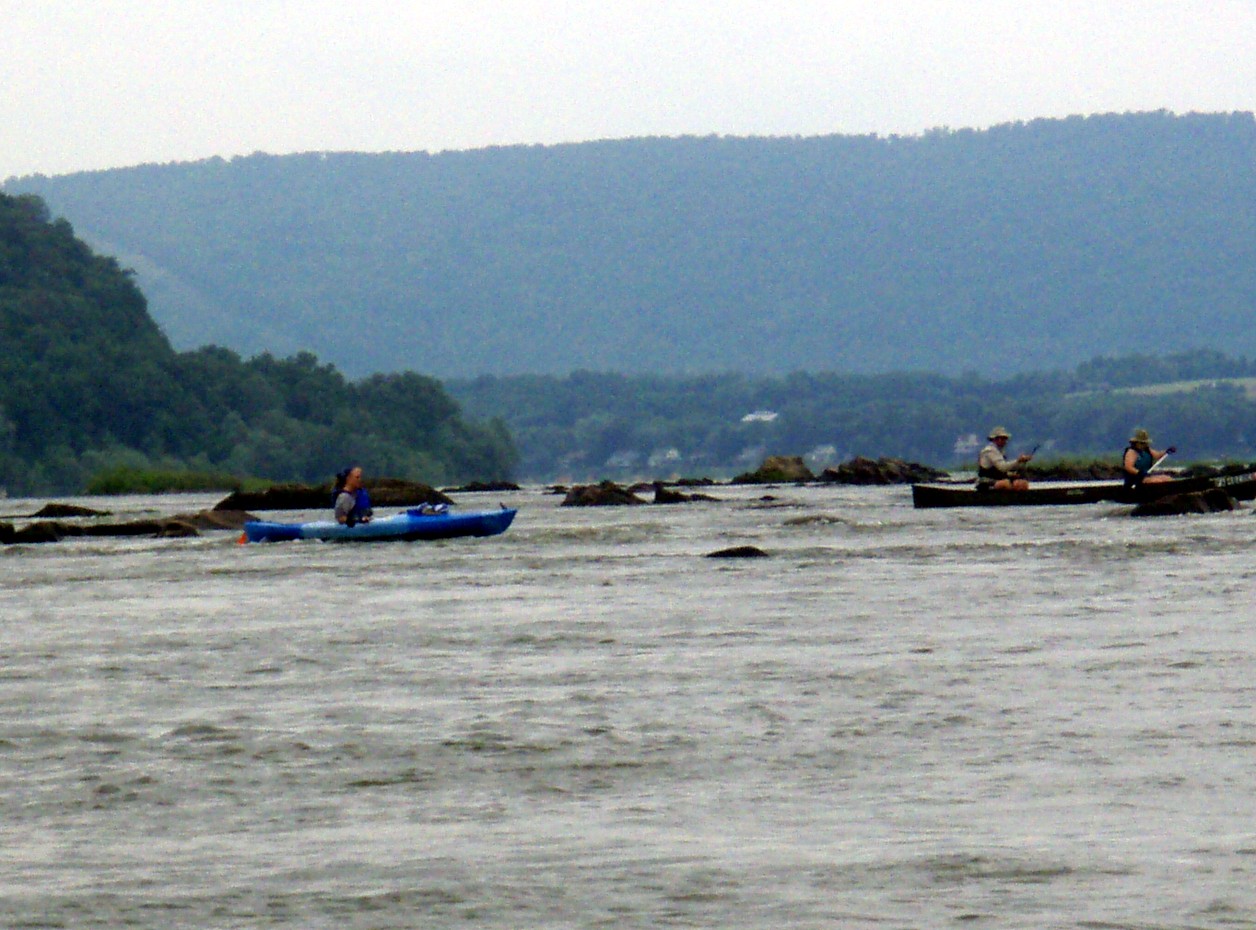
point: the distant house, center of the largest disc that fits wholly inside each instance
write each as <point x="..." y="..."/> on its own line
<point x="663" y="457"/>
<point x="967" y="445"/>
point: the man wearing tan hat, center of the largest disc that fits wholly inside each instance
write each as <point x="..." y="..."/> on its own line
<point x="1140" y="458"/>
<point x="994" y="472"/>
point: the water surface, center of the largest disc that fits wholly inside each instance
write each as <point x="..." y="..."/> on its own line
<point x="901" y="718"/>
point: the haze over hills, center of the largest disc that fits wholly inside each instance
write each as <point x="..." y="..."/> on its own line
<point x="1023" y="247"/>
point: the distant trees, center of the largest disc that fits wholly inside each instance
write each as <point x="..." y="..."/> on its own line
<point x="88" y="382"/>
<point x="589" y="426"/>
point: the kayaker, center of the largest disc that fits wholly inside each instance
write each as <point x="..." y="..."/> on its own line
<point x="1140" y="458"/>
<point x="351" y="502"/>
<point x="996" y="473"/>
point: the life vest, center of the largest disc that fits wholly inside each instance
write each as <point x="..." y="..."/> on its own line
<point x="988" y="474"/>
<point x="1143" y="463"/>
<point x="361" y="504"/>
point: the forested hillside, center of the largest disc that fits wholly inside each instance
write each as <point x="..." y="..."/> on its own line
<point x="593" y="426"/>
<point x="88" y="382"/>
<point x="1025" y="247"/>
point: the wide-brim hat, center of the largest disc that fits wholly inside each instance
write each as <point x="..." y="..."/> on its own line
<point x="1141" y="435"/>
<point x="999" y="433"/>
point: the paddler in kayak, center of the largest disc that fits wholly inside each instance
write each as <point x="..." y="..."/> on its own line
<point x="1140" y="458"/>
<point x="996" y="473"/>
<point x="350" y="501"/>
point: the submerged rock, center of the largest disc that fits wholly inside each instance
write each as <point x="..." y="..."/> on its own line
<point x="1214" y="500"/>
<point x="738" y="552"/>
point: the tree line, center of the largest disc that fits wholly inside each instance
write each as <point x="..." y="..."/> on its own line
<point x="594" y="425"/>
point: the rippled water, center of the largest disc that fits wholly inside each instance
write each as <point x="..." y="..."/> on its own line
<point x="900" y="718"/>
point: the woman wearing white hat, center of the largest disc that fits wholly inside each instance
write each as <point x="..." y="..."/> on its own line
<point x="1140" y="458"/>
<point x="994" y="472"/>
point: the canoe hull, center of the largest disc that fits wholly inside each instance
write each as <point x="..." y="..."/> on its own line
<point x="937" y="495"/>
<point x="403" y="527"/>
<point x="1240" y="487"/>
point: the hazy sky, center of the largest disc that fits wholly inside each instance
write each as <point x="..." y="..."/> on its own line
<point x="90" y="84"/>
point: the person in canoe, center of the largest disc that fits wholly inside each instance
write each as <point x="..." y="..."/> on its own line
<point x="996" y="473"/>
<point x="1140" y="458"/>
<point x="351" y="503"/>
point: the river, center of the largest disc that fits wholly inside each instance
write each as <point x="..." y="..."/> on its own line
<point x="898" y="719"/>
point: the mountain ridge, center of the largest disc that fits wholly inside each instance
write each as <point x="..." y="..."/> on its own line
<point x="1024" y="246"/>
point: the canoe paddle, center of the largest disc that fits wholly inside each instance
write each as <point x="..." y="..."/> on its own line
<point x="1156" y="464"/>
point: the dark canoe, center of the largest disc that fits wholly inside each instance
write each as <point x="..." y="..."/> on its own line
<point x="1038" y="495"/>
<point x="1240" y="487"/>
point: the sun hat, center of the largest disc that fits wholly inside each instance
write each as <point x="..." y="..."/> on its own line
<point x="1141" y="435"/>
<point x="999" y="432"/>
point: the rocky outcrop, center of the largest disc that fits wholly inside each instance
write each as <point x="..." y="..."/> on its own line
<point x="860" y="470"/>
<point x="1064" y="471"/>
<point x="278" y="497"/>
<point x="385" y="492"/>
<point x="666" y="495"/>
<point x="42" y="532"/>
<point x="1215" y="471"/>
<point x="606" y="494"/>
<point x="610" y="494"/>
<point x="477" y="486"/>
<point x="176" y="529"/>
<point x="54" y="510"/>
<point x="215" y="519"/>
<point x="778" y="469"/>
<point x="179" y="525"/>
<point x="1214" y="500"/>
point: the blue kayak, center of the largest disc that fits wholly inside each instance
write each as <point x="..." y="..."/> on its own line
<point x="418" y="523"/>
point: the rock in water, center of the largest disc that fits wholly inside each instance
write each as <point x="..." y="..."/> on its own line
<point x="665" y="495"/>
<point x="606" y="494"/>
<point x="860" y="470"/>
<point x="777" y="469"/>
<point x="1214" y="500"/>
<point x="385" y="492"/>
<point x="66" y="510"/>
<point x="738" y="552"/>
